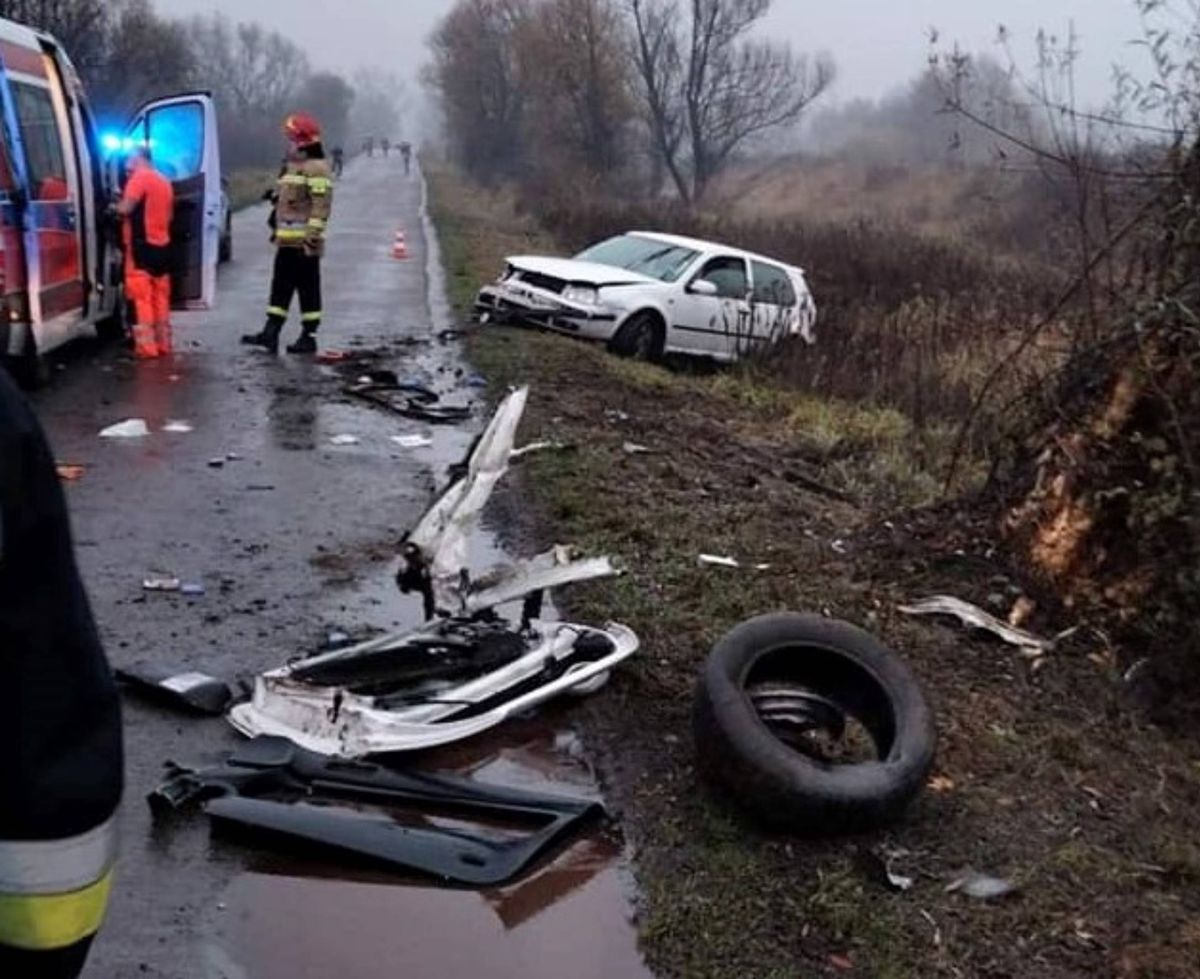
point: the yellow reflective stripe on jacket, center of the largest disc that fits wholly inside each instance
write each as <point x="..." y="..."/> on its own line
<point x="44" y="922"/>
<point x="317" y="223"/>
<point x="319" y="185"/>
<point x="57" y="866"/>
<point x="291" y="234"/>
<point x="293" y="180"/>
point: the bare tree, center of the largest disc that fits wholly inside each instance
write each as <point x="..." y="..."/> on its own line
<point x="710" y="87"/>
<point x="573" y="62"/>
<point x="379" y="105"/>
<point x="475" y="72"/>
<point x="80" y="25"/>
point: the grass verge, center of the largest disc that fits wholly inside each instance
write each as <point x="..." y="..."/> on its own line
<point x="1042" y="777"/>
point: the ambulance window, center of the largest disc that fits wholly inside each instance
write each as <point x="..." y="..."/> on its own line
<point x="43" y="143"/>
<point x="176" y="137"/>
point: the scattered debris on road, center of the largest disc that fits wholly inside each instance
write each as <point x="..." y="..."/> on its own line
<point x="412" y="441"/>
<point x="195" y="692"/>
<point x="161" y="583"/>
<point x="633" y="449"/>
<point x="243" y="792"/>
<point x="344" y="440"/>
<point x="535" y="447"/>
<point x="178" y="427"/>
<point x="216" y="463"/>
<point x="132" y="428"/>
<point x="412" y="400"/>
<point x="374" y="697"/>
<point x="976" y="618"/>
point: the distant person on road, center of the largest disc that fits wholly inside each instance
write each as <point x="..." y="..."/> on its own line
<point x="386" y="145"/>
<point x="61" y="768"/>
<point x="303" y="203"/>
<point x="406" y="152"/>
<point x="369" y="146"/>
<point x="339" y="161"/>
<point x="147" y="207"/>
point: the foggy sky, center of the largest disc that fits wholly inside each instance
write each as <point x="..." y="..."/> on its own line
<point x="877" y="43"/>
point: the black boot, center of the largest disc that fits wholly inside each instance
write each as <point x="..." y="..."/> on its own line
<point x="307" y="344"/>
<point x="268" y="339"/>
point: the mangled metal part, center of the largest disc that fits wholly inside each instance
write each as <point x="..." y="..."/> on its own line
<point x="435" y="552"/>
<point x="363" y="717"/>
<point x="467" y="669"/>
<point x="245" y="792"/>
<point x="196" y="693"/>
<point x="976" y="618"/>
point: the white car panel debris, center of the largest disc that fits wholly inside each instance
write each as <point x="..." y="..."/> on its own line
<point x="466" y="669"/>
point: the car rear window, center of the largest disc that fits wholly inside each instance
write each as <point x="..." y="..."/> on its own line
<point x="656" y="259"/>
<point x="773" y="285"/>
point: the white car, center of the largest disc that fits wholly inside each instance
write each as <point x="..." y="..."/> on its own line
<point x="647" y="294"/>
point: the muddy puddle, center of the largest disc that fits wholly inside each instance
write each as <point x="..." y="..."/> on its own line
<point x="570" y="915"/>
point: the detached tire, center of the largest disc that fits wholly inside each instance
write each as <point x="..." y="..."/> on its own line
<point x="807" y="672"/>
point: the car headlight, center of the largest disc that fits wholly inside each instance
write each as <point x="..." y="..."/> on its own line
<point x="585" y="295"/>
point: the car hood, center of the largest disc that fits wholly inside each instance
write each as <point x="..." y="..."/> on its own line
<point x="588" y="273"/>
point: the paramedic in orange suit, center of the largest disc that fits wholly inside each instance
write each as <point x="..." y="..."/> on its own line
<point x="147" y="207"/>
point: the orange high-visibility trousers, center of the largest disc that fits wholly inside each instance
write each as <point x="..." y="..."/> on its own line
<point x="150" y="297"/>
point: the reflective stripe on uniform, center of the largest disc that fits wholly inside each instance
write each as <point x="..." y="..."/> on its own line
<point x="44" y="922"/>
<point x="277" y="311"/>
<point x="319" y="185"/>
<point x="293" y="180"/>
<point x="317" y="223"/>
<point x="57" y="866"/>
<point x="291" y="234"/>
<point x="310" y="318"/>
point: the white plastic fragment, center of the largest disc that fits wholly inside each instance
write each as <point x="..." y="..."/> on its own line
<point x="178" y="427"/>
<point x="982" y="887"/>
<point x="634" y="449"/>
<point x="344" y="440"/>
<point x="977" y="618"/>
<point x="133" y="428"/>
<point x="412" y="441"/>
<point x="717" y="561"/>
<point x="533" y="447"/>
<point x="161" y="583"/>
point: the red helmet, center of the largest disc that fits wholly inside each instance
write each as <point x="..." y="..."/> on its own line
<point x="302" y="129"/>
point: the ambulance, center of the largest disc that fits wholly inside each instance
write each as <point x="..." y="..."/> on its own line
<point x="60" y="245"/>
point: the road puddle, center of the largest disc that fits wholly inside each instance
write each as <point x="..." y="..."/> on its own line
<point x="570" y="915"/>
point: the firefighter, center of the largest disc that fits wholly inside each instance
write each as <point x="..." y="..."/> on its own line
<point x="406" y="153"/>
<point x="303" y="200"/>
<point x="147" y="206"/>
<point x="61" y="769"/>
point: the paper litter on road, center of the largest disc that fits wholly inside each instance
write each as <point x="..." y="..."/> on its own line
<point x="132" y="428"/>
<point x="344" y="440"/>
<point x="181" y="428"/>
<point x="412" y="441"/>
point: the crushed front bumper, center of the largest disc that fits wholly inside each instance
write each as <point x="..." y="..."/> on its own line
<point x="518" y="303"/>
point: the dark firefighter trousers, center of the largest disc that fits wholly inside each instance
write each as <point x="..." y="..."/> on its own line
<point x="295" y="272"/>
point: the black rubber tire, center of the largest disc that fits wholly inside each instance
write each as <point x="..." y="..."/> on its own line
<point x="641" y="337"/>
<point x="782" y="788"/>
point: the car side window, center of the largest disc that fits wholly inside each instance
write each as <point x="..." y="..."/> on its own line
<point x="175" y="135"/>
<point x="728" y="275"/>
<point x="773" y="285"/>
<point x="43" y="143"/>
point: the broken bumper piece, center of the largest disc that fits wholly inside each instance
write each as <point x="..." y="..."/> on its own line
<point x="367" y="712"/>
<point x="502" y="303"/>
<point x="246" y="791"/>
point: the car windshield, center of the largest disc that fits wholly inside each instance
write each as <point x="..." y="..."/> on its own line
<point x="657" y="259"/>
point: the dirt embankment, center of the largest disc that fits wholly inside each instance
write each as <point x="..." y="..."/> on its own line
<point x="1044" y="777"/>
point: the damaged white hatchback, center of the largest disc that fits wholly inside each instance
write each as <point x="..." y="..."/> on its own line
<point x="468" y="668"/>
<point x="647" y="294"/>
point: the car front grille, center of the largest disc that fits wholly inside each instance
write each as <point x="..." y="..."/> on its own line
<point x="540" y="281"/>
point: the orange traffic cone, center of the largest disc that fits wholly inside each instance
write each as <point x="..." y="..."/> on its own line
<point x="400" y="247"/>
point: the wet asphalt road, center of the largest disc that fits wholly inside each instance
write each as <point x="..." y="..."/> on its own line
<point x="292" y="538"/>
